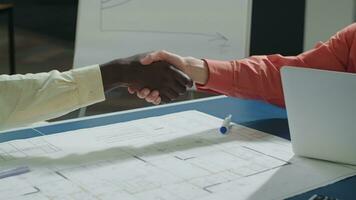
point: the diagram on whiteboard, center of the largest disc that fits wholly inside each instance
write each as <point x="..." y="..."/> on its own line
<point x="170" y="21"/>
<point x="213" y="29"/>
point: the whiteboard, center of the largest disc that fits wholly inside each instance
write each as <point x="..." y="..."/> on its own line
<point x="109" y="29"/>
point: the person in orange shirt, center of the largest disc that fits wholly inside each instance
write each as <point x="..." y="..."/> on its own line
<point x="257" y="77"/>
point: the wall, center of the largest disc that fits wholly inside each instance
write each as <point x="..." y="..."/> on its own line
<point x="323" y="18"/>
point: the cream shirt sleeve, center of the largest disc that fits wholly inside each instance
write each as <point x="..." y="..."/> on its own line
<point x="29" y="98"/>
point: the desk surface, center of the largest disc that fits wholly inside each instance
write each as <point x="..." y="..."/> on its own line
<point x="254" y="114"/>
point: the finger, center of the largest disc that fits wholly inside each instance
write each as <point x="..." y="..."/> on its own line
<point x="182" y="78"/>
<point x="165" y="99"/>
<point x="143" y="93"/>
<point x="150" y="58"/>
<point x="179" y="88"/>
<point x="169" y="57"/>
<point x="170" y="93"/>
<point x="152" y="96"/>
<point x="157" y="101"/>
<point x="132" y="90"/>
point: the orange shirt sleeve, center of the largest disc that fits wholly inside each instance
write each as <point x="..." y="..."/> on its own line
<point x="258" y="77"/>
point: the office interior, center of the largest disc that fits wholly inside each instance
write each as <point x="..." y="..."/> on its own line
<point x="45" y="32"/>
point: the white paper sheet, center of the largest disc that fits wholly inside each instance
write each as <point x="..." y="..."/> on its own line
<point x="177" y="156"/>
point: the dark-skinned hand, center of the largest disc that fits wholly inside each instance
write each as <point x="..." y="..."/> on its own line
<point x="160" y="76"/>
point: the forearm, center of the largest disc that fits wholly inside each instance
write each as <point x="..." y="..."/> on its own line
<point x="36" y="97"/>
<point x="258" y="77"/>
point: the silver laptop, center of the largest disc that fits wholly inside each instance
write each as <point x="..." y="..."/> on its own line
<point x="321" y="109"/>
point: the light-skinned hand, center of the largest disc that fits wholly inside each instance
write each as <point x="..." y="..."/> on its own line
<point x="195" y="68"/>
<point x="168" y="81"/>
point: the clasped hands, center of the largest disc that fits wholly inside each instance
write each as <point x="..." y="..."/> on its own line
<point x="158" y="76"/>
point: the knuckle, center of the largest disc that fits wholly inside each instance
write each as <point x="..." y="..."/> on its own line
<point x="162" y="53"/>
<point x="182" y="89"/>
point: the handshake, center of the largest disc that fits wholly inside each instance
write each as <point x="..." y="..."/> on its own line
<point x="158" y="76"/>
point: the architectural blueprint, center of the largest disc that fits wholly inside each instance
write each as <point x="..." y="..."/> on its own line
<point x="179" y="156"/>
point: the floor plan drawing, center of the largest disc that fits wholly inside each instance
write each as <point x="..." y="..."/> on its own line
<point x="177" y="156"/>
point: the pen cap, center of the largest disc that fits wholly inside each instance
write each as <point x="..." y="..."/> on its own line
<point x="225" y="125"/>
<point x="223" y="129"/>
<point x="227" y="121"/>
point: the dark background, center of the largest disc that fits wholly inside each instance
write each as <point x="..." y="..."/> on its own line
<point x="277" y="25"/>
<point x="45" y="35"/>
<point x="56" y="18"/>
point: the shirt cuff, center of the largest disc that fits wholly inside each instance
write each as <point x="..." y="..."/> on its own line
<point x="220" y="78"/>
<point x="90" y="85"/>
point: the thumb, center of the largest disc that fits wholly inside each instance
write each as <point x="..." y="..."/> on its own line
<point x="150" y="58"/>
<point x="166" y="56"/>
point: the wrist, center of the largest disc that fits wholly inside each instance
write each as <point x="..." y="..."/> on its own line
<point x="113" y="75"/>
<point x="198" y="71"/>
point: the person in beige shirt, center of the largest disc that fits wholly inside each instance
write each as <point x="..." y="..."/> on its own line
<point x="29" y="98"/>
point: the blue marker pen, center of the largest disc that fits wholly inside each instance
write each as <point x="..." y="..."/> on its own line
<point x="225" y="127"/>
